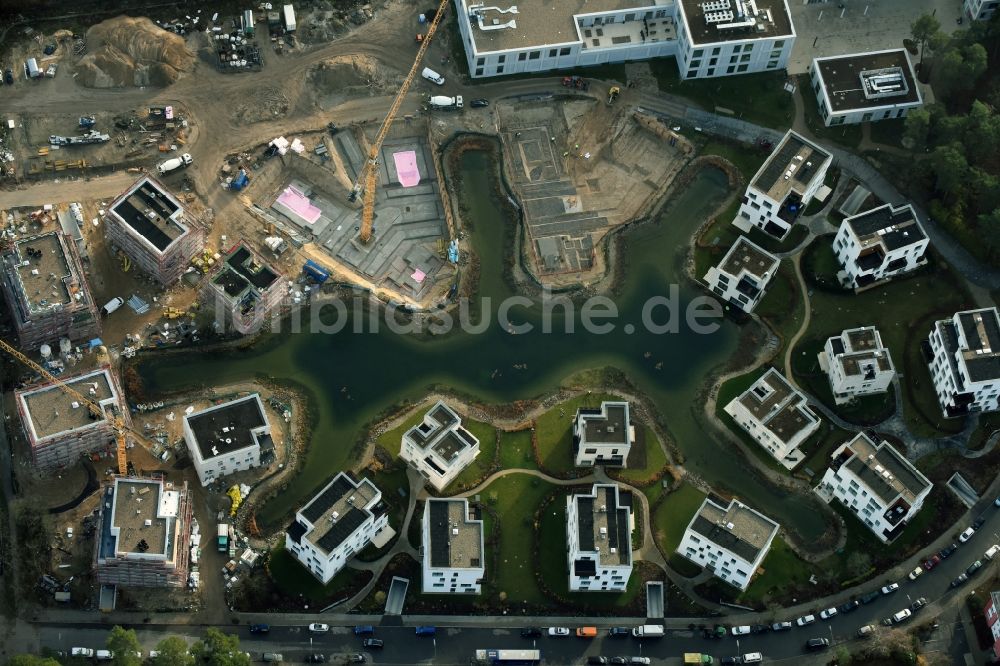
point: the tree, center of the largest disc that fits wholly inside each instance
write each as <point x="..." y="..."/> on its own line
<point x="950" y="169"/>
<point x="173" y="651"/>
<point x="858" y="563"/>
<point x="125" y="646"/>
<point x="923" y="29"/>
<point x="917" y="128"/>
<point x="31" y="660"/>
<point x="219" y="649"/>
<point x="989" y="226"/>
<point x="843" y="656"/>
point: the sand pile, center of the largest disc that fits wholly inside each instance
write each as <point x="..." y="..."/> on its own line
<point x="127" y="51"/>
<point x="336" y="80"/>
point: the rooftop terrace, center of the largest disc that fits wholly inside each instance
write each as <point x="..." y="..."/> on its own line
<point x="888" y="226"/>
<point x="456" y="538"/>
<point x="777" y="406"/>
<point x="733" y="20"/>
<point x="981" y="330"/>
<point x="604" y="525"/>
<point x="746" y="256"/>
<point x="52" y="411"/>
<point x="441" y="431"/>
<point x="43" y="270"/>
<point x="868" y="80"/>
<point x="142" y="520"/>
<point x="884" y="470"/>
<point x="791" y="167"/>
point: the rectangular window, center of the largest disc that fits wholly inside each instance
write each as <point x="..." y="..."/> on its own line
<point x="698" y="53"/>
<point x="479" y="71"/>
<point x="695" y="63"/>
<point x="500" y="69"/>
<point x="552" y="53"/>
<point x="745" y="57"/>
<point x="564" y="51"/>
<point x="534" y="55"/>
<point x="710" y="72"/>
<point x="778" y="44"/>
<point x="730" y="70"/>
<point x="480" y="61"/>
<point x="716" y="51"/>
<point x="501" y="59"/>
<point x="521" y="56"/>
<point x="742" y="68"/>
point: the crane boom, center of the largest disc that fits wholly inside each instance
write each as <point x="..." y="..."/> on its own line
<point x="368" y="178"/>
<point x="117" y="422"/>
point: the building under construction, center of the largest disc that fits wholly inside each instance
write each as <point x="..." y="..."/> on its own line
<point x="154" y="230"/>
<point x="46" y="291"/>
<point x="244" y="289"/>
<point x="60" y="429"/>
<point x="144" y="537"/>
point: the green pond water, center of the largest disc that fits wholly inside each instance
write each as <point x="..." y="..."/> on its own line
<point x="352" y="377"/>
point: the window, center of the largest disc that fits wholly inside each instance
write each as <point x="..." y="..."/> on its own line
<point x="590" y="451"/>
<point x="521" y="56"/>
<point x="745" y="57"/>
<point x="698" y="53"/>
<point x="742" y="68"/>
<point x="692" y="73"/>
<point x="730" y="70"/>
<point x="552" y="53"/>
<point x="500" y="69"/>
<point x="732" y="59"/>
<point x="716" y="51"/>
<point x="778" y="44"/>
<point x="710" y="72"/>
<point x="695" y="63"/>
<point x="534" y="55"/>
<point x="479" y="71"/>
<point x="772" y="64"/>
<point x="564" y="51"/>
<point x="713" y="62"/>
<point x="630" y="17"/>
<point x="480" y="61"/>
<point x="501" y="59"/>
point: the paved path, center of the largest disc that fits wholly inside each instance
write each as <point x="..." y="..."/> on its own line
<point x="806" y="318"/>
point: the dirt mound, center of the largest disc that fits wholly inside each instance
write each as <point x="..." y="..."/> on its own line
<point x="269" y="103"/>
<point x="336" y="80"/>
<point x="127" y="51"/>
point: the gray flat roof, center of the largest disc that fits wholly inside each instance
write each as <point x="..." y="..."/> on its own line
<point x="338" y="511"/>
<point x="441" y="431"/>
<point x="737" y="528"/>
<point x="51" y="410"/>
<point x="152" y="212"/>
<point x="43" y="269"/>
<point x="794" y="154"/>
<point x="745" y="255"/>
<point x="456" y="538"/>
<point x="852" y="81"/>
<point x="708" y="23"/>
<point x="981" y="329"/>
<point x="227" y="427"/>
<point x="885" y="471"/>
<point x="139" y="520"/>
<point x="607" y="425"/>
<point x="603" y="523"/>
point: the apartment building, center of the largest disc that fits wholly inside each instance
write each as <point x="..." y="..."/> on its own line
<point x="599" y="539"/>
<point x="335" y="525"/>
<point x="965" y="365"/>
<point x="244" y="289"/>
<point x="864" y="87"/>
<point x="46" y="291"/>
<point x="153" y="228"/>
<point x="451" y="548"/>
<point x="992" y="613"/>
<point x="708" y="39"/>
<point x="857" y="364"/>
<point x="980" y="10"/>
<point x="228" y="437"/>
<point x="876" y="484"/>
<point x="743" y="274"/>
<point x="730" y="541"/>
<point x="60" y="430"/>
<point x="603" y="436"/>
<point x="783" y="186"/>
<point x="144" y="534"/>
<point x="439" y="447"/>
<point x="776" y="416"/>
<point x="878" y="245"/>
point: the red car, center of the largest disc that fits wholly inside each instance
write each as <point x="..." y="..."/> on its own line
<point x="932" y="562"/>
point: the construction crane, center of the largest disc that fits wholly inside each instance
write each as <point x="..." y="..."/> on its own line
<point x="117" y="423"/>
<point x="367" y="179"/>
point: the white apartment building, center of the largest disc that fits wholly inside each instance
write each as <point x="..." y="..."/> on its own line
<point x="966" y="363"/>
<point x="599" y="539"/>
<point x="228" y="437"/>
<point x="335" y="525"/>
<point x="876" y="484"/>
<point x="452" y="548"/>
<point x="980" y="10"/>
<point x="857" y="364"/>
<point x="439" y="447"/>
<point x="603" y="436"/>
<point x="709" y="39"/>
<point x="730" y="541"/>
<point x="864" y="87"/>
<point x="783" y="186"/>
<point x="879" y="244"/>
<point x="743" y="274"/>
<point x="776" y="415"/>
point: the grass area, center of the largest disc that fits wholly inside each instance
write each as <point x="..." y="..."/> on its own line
<point x="391" y="440"/>
<point x="293" y="579"/>
<point x="820" y="446"/>
<point x="683" y="566"/>
<point x="744" y="157"/>
<point x="481" y="466"/>
<point x="672" y="515"/>
<point x="888" y="132"/>
<point x="756" y="98"/>
<point x="820" y="265"/>
<point x="848" y="136"/>
<point x="649" y="451"/>
<point x="782" y="305"/>
<point x="389" y="481"/>
<point x="516" y="451"/>
<point x="727" y="392"/>
<point x="782" y="568"/>
<point x="554" y="432"/>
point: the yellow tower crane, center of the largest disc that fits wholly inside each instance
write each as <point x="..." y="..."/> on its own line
<point x="368" y="178"/>
<point x="117" y="423"/>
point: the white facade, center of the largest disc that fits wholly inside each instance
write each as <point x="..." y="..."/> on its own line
<point x="966" y="363"/>
<point x="783" y="186"/>
<point x="603" y="436"/>
<point x="533" y="36"/>
<point x="743" y="274"/>
<point x="226" y="438"/>
<point x="876" y="484"/>
<point x="980" y="10"/>
<point x="776" y="415"/>
<point x="452" y="548"/>
<point x="864" y="87"/>
<point x="439" y="447"/>
<point x="730" y="541"/>
<point x="879" y="244"/>
<point x="857" y="364"/>
<point x="339" y="522"/>
<point x="598" y="540"/>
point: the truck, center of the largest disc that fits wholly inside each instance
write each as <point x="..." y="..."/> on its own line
<point x="223" y="537"/>
<point x="93" y="136"/>
<point x="31" y="69"/>
<point x="174" y="163"/>
<point x="508" y="657"/>
<point x="248" y="23"/>
<point x="697" y="658"/>
<point x="288" y="13"/>
<point x="445" y="102"/>
<point x="648" y="631"/>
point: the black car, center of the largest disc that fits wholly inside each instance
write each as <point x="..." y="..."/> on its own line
<point x="315" y="659"/>
<point x="960" y="580"/>
<point x="918" y="604"/>
<point x="947" y="550"/>
<point x="729" y="661"/>
<point x="870" y="597"/>
<point x="373" y="643"/>
<point x="479" y="103"/>
<point x="356" y="659"/>
<point x="531" y="632"/>
<point x="259" y="628"/>
<point x="619" y="660"/>
<point x="974" y="567"/>
<point x="849" y="606"/>
<point x="597" y="659"/>
<point x="979" y="522"/>
<point x="817" y="644"/>
<point x="8" y="77"/>
<point x="781" y="626"/>
<point x="618" y="632"/>
<point x="759" y="628"/>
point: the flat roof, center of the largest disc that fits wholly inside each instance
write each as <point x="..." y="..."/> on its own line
<point x="221" y="429"/>
<point x="747" y="256"/>
<point x="142" y="521"/>
<point x="604" y="524"/>
<point x="868" y="80"/>
<point x="43" y="269"/>
<point x="981" y="352"/>
<point x="151" y="212"/>
<point x="441" y="431"/>
<point x="886" y="473"/>
<point x="793" y="165"/>
<point x="454" y="534"/>
<point x="243" y="271"/>
<point x="607" y="425"/>
<point x="51" y="411"/>
<point x="887" y="225"/>
<point x="737" y="528"/>
<point x="339" y="509"/>
<point x="735" y="20"/>
<point x="857" y="348"/>
<point x="777" y="406"/>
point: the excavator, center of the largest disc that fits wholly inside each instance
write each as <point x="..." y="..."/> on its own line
<point x="117" y="423"/>
<point x="368" y="178"/>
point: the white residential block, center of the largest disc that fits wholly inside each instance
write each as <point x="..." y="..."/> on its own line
<point x="857" y="364"/>
<point x="878" y="245"/>
<point x="227" y="438"/>
<point x="603" y="436"/>
<point x="966" y="363"/>
<point x="743" y="274"/>
<point x="439" y="447"/>
<point x="452" y="548"/>
<point x="599" y="540"/>
<point x="864" y="87"/>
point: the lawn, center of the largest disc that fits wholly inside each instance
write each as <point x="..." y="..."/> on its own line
<point x="756" y="98"/>
<point x="554" y="432"/>
<point x="782" y="568"/>
<point x="782" y="305"/>
<point x="744" y="157"/>
<point x="672" y="515"/>
<point x="516" y="451"/>
<point x="819" y="447"/>
<point x="391" y="440"/>
<point x="389" y="481"/>
<point x="848" y="136"/>
<point x="293" y="579"/>
<point x="888" y="132"/>
<point x="476" y="472"/>
<point x="645" y="459"/>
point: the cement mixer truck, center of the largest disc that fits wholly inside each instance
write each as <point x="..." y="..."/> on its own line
<point x="445" y="103"/>
<point x="174" y="163"/>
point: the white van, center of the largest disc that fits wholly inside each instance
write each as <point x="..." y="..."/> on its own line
<point x="112" y="305"/>
<point x="432" y="76"/>
<point x="105" y="655"/>
<point x="991" y="553"/>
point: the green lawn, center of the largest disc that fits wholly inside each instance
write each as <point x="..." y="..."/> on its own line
<point x="744" y="157"/>
<point x="889" y="132"/>
<point x="294" y="579"/>
<point x="673" y="514"/>
<point x="481" y="466"/>
<point x="554" y="430"/>
<point x="782" y="568"/>
<point x="848" y="136"/>
<point x="647" y="448"/>
<point x="756" y="98"/>
<point x="516" y="451"/>
<point x="819" y="447"/>
<point x="782" y="305"/>
<point x="391" y="440"/>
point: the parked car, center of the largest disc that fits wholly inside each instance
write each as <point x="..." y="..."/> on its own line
<point x="640" y="660"/>
<point x="619" y="632"/>
<point x="759" y="628"/>
<point x="356" y="658"/>
<point x="741" y="630"/>
<point x="315" y="658"/>
<point x="618" y="660"/>
<point x="752" y="658"/>
<point x="996" y="502"/>
<point x="865" y="630"/>
<point x="8" y="77"/>
<point x="597" y="659"/>
<point x="991" y="552"/>
<point x="827" y="614"/>
<point x="947" y="550"/>
<point x="817" y="644"/>
<point x="535" y="632"/>
<point x="849" y="606"/>
<point x="916" y="573"/>
<point x="479" y="103"/>
<point x="932" y="562"/>
<point x="890" y="588"/>
<point x="902" y="616"/>
<point x="364" y="630"/>
<point x="960" y="580"/>
<point x="967" y="534"/>
<point x="372" y="643"/>
<point x="805" y="619"/>
<point x="319" y="628"/>
<point x="978" y="522"/>
<point x="781" y="626"/>
<point x="558" y="631"/>
<point x="259" y="628"/>
<point x="974" y="567"/>
<point x="918" y="604"/>
<point x="425" y="630"/>
<point x="725" y="661"/>
<point x="870" y="597"/>
<point x="272" y="657"/>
